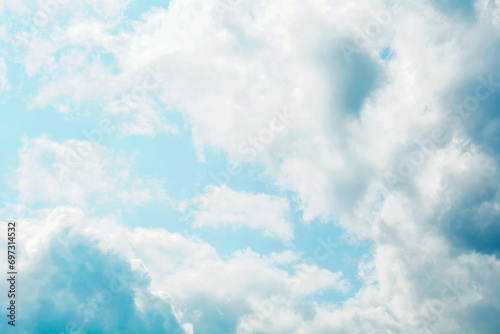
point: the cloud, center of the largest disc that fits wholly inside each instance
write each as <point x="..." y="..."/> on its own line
<point x="4" y="81"/>
<point x="336" y="163"/>
<point x="95" y="274"/>
<point x="224" y="207"/>
<point x="464" y="8"/>
<point x="357" y="117"/>
<point x="71" y="285"/>
<point x="74" y="170"/>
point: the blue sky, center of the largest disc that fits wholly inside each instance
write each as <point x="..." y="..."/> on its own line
<point x="366" y="188"/>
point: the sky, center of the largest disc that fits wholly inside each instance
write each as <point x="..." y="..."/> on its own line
<point x="251" y="166"/>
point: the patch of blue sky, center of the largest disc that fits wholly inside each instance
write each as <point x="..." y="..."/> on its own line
<point x="92" y="54"/>
<point x="134" y="13"/>
<point x="108" y="59"/>
<point x="244" y="45"/>
<point x="137" y="8"/>
<point x="324" y="244"/>
<point x="227" y="240"/>
<point x="386" y="53"/>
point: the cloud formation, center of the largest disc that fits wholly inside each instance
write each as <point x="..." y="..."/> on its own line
<point x="74" y="170"/>
<point x="224" y="207"/>
<point x="88" y="274"/>
<point x="388" y="128"/>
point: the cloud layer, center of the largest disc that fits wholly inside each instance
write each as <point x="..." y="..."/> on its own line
<point x="378" y="117"/>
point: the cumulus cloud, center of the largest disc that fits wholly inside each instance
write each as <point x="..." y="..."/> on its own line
<point x="224" y="207"/>
<point x="72" y="171"/>
<point x="391" y="138"/>
<point x="75" y="286"/>
<point x="345" y="138"/>
<point x="4" y="81"/>
<point x="82" y="271"/>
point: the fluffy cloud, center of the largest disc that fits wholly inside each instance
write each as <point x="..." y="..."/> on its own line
<point x="100" y="268"/>
<point x="4" y="81"/>
<point x="356" y="118"/>
<point x="223" y="207"/>
<point x="390" y="138"/>
<point x="76" y="287"/>
<point x="72" y="171"/>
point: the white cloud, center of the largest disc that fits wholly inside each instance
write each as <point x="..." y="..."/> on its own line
<point x="73" y="170"/>
<point x="4" y="81"/>
<point x="224" y="207"/>
<point x="18" y="7"/>
<point x="265" y="56"/>
<point x="333" y="159"/>
<point x="187" y="273"/>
